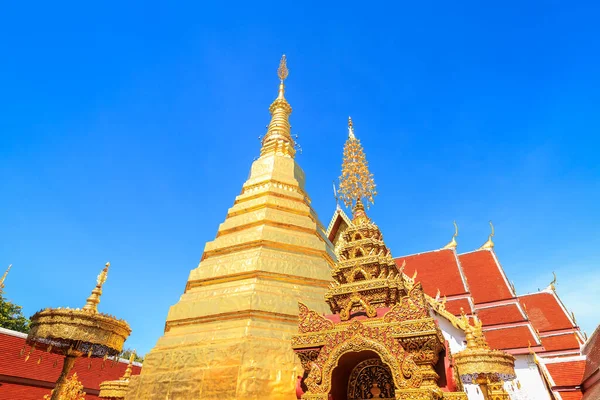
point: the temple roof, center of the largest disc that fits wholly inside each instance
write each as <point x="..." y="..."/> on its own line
<point x="26" y="380"/>
<point x="546" y="311"/>
<point x="485" y="277"/>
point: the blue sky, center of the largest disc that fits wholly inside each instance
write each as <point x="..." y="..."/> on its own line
<point x="126" y="131"/>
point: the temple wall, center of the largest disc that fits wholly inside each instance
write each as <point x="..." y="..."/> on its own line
<point x="454" y="336"/>
<point x="532" y="382"/>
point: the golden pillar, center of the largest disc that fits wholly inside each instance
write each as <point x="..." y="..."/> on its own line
<point x="229" y="335"/>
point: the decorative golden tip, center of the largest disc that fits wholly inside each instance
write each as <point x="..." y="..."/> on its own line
<point x="283" y="71"/>
<point x="128" y="371"/>
<point x="453" y="243"/>
<point x="92" y="301"/>
<point x="278" y="139"/>
<point x="4" y="277"/>
<point x="490" y="243"/>
<point x="553" y="283"/>
<point x="350" y="129"/>
<point x="356" y="181"/>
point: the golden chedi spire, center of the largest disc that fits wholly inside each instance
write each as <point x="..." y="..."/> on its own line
<point x="356" y="181"/>
<point x="278" y="138"/>
<point x="453" y="243"/>
<point x="489" y="244"/>
<point x="4" y="277"/>
<point x="228" y="335"/>
<point x="92" y="301"/>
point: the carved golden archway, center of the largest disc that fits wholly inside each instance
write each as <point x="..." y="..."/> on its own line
<point x="358" y="337"/>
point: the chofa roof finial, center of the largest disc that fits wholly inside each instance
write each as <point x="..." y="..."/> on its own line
<point x="490" y="243"/>
<point x="453" y="243"/>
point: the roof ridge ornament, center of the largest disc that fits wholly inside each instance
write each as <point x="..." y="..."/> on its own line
<point x="453" y="243"/>
<point x="489" y="244"/>
<point x="553" y="283"/>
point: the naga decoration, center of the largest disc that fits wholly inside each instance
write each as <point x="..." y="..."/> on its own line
<point x="75" y="333"/>
<point x="380" y="332"/>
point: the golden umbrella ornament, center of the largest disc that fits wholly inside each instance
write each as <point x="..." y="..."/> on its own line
<point x="75" y="333"/>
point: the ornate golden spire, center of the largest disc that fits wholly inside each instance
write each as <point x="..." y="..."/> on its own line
<point x="452" y="244"/>
<point x="278" y="139"/>
<point x="127" y="373"/>
<point x="4" y="278"/>
<point x="356" y="181"/>
<point x="92" y="301"/>
<point x="350" y="129"/>
<point x="490" y="243"/>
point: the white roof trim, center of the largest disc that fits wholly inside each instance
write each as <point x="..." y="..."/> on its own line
<point x="13" y="333"/>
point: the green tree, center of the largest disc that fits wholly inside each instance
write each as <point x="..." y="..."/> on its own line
<point x="126" y="353"/>
<point x="11" y="316"/>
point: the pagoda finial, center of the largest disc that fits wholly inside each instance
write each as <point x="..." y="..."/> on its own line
<point x="92" y="301"/>
<point x="490" y="243"/>
<point x="127" y="373"/>
<point x="350" y="129"/>
<point x="278" y="139"/>
<point x="4" y="277"/>
<point x="453" y="243"/>
<point x="356" y="181"/>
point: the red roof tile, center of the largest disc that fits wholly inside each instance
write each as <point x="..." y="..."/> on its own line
<point x="454" y="306"/>
<point x="566" y="373"/>
<point x="512" y="337"/>
<point x="592" y="393"/>
<point x="484" y="277"/>
<point x="545" y="312"/>
<point x="436" y="270"/>
<point x="503" y="314"/>
<point x="12" y="364"/>
<point x="592" y="352"/>
<point x="567" y="341"/>
<point x="11" y="391"/>
<point x="575" y="395"/>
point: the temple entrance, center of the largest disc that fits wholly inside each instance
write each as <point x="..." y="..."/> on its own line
<point x="360" y="376"/>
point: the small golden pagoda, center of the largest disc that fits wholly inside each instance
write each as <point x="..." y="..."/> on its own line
<point x="75" y="333"/>
<point x="380" y="341"/>
<point x="482" y="366"/>
<point x="116" y="390"/>
<point x="229" y="335"/>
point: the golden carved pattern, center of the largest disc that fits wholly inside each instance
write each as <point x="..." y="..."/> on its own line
<point x="410" y="307"/>
<point x="311" y="321"/>
<point x="356" y="182"/>
<point x="371" y="379"/>
<point x="357" y="299"/>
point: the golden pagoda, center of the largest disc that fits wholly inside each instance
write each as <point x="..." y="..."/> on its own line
<point x="482" y="366"/>
<point x="117" y="389"/>
<point x="381" y="340"/>
<point x="229" y="335"/>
